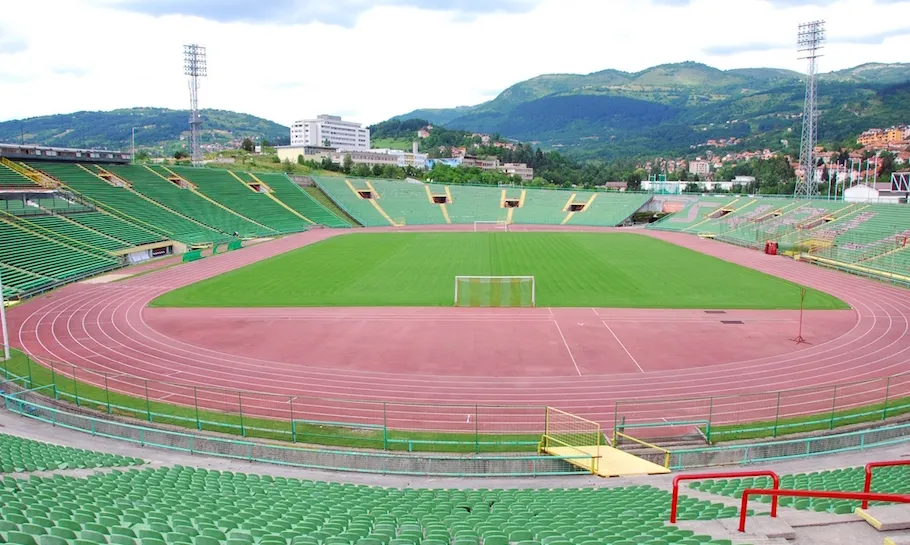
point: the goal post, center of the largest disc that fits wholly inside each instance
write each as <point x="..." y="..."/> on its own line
<point x="498" y="225"/>
<point x="495" y="291"/>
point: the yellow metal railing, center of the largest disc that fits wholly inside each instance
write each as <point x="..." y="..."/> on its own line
<point x="618" y="434"/>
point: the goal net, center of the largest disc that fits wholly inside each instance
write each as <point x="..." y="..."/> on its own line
<point x="494" y="291"/>
<point x="499" y="225"/>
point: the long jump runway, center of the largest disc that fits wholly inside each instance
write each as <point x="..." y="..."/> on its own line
<point x="581" y="360"/>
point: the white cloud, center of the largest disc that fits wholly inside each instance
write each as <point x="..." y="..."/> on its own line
<point x="94" y="55"/>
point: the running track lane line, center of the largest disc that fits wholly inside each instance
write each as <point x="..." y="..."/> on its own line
<point x="624" y="349"/>
<point x="569" y="350"/>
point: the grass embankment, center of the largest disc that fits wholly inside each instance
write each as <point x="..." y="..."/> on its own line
<point x="325" y="201"/>
<point x="570" y="269"/>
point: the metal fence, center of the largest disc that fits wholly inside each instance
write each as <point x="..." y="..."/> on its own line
<point x="28" y="404"/>
<point x="769" y="414"/>
<point x="300" y="419"/>
<point x="467" y="428"/>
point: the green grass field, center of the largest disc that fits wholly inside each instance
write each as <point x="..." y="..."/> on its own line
<point x="571" y="269"/>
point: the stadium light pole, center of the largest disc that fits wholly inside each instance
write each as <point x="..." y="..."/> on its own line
<point x="194" y="66"/>
<point x="810" y="39"/>
<point x="3" y="322"/>
<point x="133" y="147"/>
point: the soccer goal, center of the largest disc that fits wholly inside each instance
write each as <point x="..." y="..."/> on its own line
<point x="499" y="225"/>
<point x="494" y="291"/>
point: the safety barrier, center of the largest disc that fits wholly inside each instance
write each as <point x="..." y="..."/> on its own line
<point x="866" y="497"/>
<point x="674" y="502"/>
<point x="438" y="465"/>
<point x="867" y="487"/>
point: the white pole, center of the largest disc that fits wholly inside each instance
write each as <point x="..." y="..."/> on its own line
<point x="133" y="147"/>
<point x="3" y="322"/>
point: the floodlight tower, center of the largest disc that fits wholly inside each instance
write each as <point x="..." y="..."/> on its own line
<point x="195" y="67"/>
<point x="810" y="40"/>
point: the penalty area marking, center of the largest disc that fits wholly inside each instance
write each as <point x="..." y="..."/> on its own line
<point x="626" y="350"/>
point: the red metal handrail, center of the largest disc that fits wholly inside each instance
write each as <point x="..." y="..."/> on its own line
<point x="715" y="475"/>
<point x="867" y="487"/>
<point x="894" y="498"/>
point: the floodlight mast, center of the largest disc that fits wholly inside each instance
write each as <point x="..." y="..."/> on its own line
<point x="810" y="39"/>
<point x="194" y="66"/>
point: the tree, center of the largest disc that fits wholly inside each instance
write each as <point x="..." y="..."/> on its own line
<point x="287" y="166"/>
<point x="247" y="145"/>
<point x="180" y="154"/>
<point x="265" y="143"/>
<point x="347" y="164"/>
<point x="362" y="169"/>
<point x="326" y="143"/>
<point x="377" y="170"/>
<point x="300" y="160"/>
<point x="142" y="155"/>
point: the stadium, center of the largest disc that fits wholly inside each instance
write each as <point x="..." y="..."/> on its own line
<point x="399" y="328"/>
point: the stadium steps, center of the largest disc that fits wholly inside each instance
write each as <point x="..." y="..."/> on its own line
<point x="270" y="193"/>
<point x="112" y="226"/>
<point x="296" y="198"/>
<point x="12" y="178"/>
<point x="215" y="223"/>
<point x="54" y="228"/>
<point x="194" y="189"/>
<point x="74" y="233"/>
<point x="36" y="253"/>
<point x="129" y="205"/>
<point x="229" y="191"/>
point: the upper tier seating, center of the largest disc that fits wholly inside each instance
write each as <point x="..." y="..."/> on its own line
<point x="131" y="207"/>
<point x="222" y="186"/>
<point x="294" y="196"/>
<point x="188" y="203"/>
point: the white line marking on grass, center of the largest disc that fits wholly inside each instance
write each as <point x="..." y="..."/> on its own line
<point x="626" y="350"/>
<point x="569" y="350"/>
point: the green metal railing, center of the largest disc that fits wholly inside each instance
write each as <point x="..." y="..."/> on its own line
<point x="23" y="402"/>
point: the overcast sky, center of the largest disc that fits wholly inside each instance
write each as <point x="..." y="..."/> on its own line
<point x="371" y="59"/>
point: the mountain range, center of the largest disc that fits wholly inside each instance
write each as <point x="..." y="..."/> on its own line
<point x="157" y="128"/>
<point x="673" y="107"/>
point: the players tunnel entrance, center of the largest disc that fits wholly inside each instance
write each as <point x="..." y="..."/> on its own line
<point x="440" y="199"/>
<point x="511" y="203"/>
<point x="576" y="207"/>
<point x="365" y="193"/>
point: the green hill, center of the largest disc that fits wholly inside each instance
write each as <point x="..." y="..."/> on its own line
<point x="156" y="128"/>
<point x="672" y="107"/>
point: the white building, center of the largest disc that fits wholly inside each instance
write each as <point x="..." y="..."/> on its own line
<point x="699" y="167"/>
<point x="341" y="135"/>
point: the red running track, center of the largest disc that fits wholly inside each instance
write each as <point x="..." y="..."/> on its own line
<point x="336" y="364"/>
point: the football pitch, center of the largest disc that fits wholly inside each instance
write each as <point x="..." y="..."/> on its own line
<point x="621" y="270"/>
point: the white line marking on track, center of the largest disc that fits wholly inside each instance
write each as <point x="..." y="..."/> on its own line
<point x="165" y="396"/>
<point x="569" y="350"/>
<point x="626" y="350"/>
